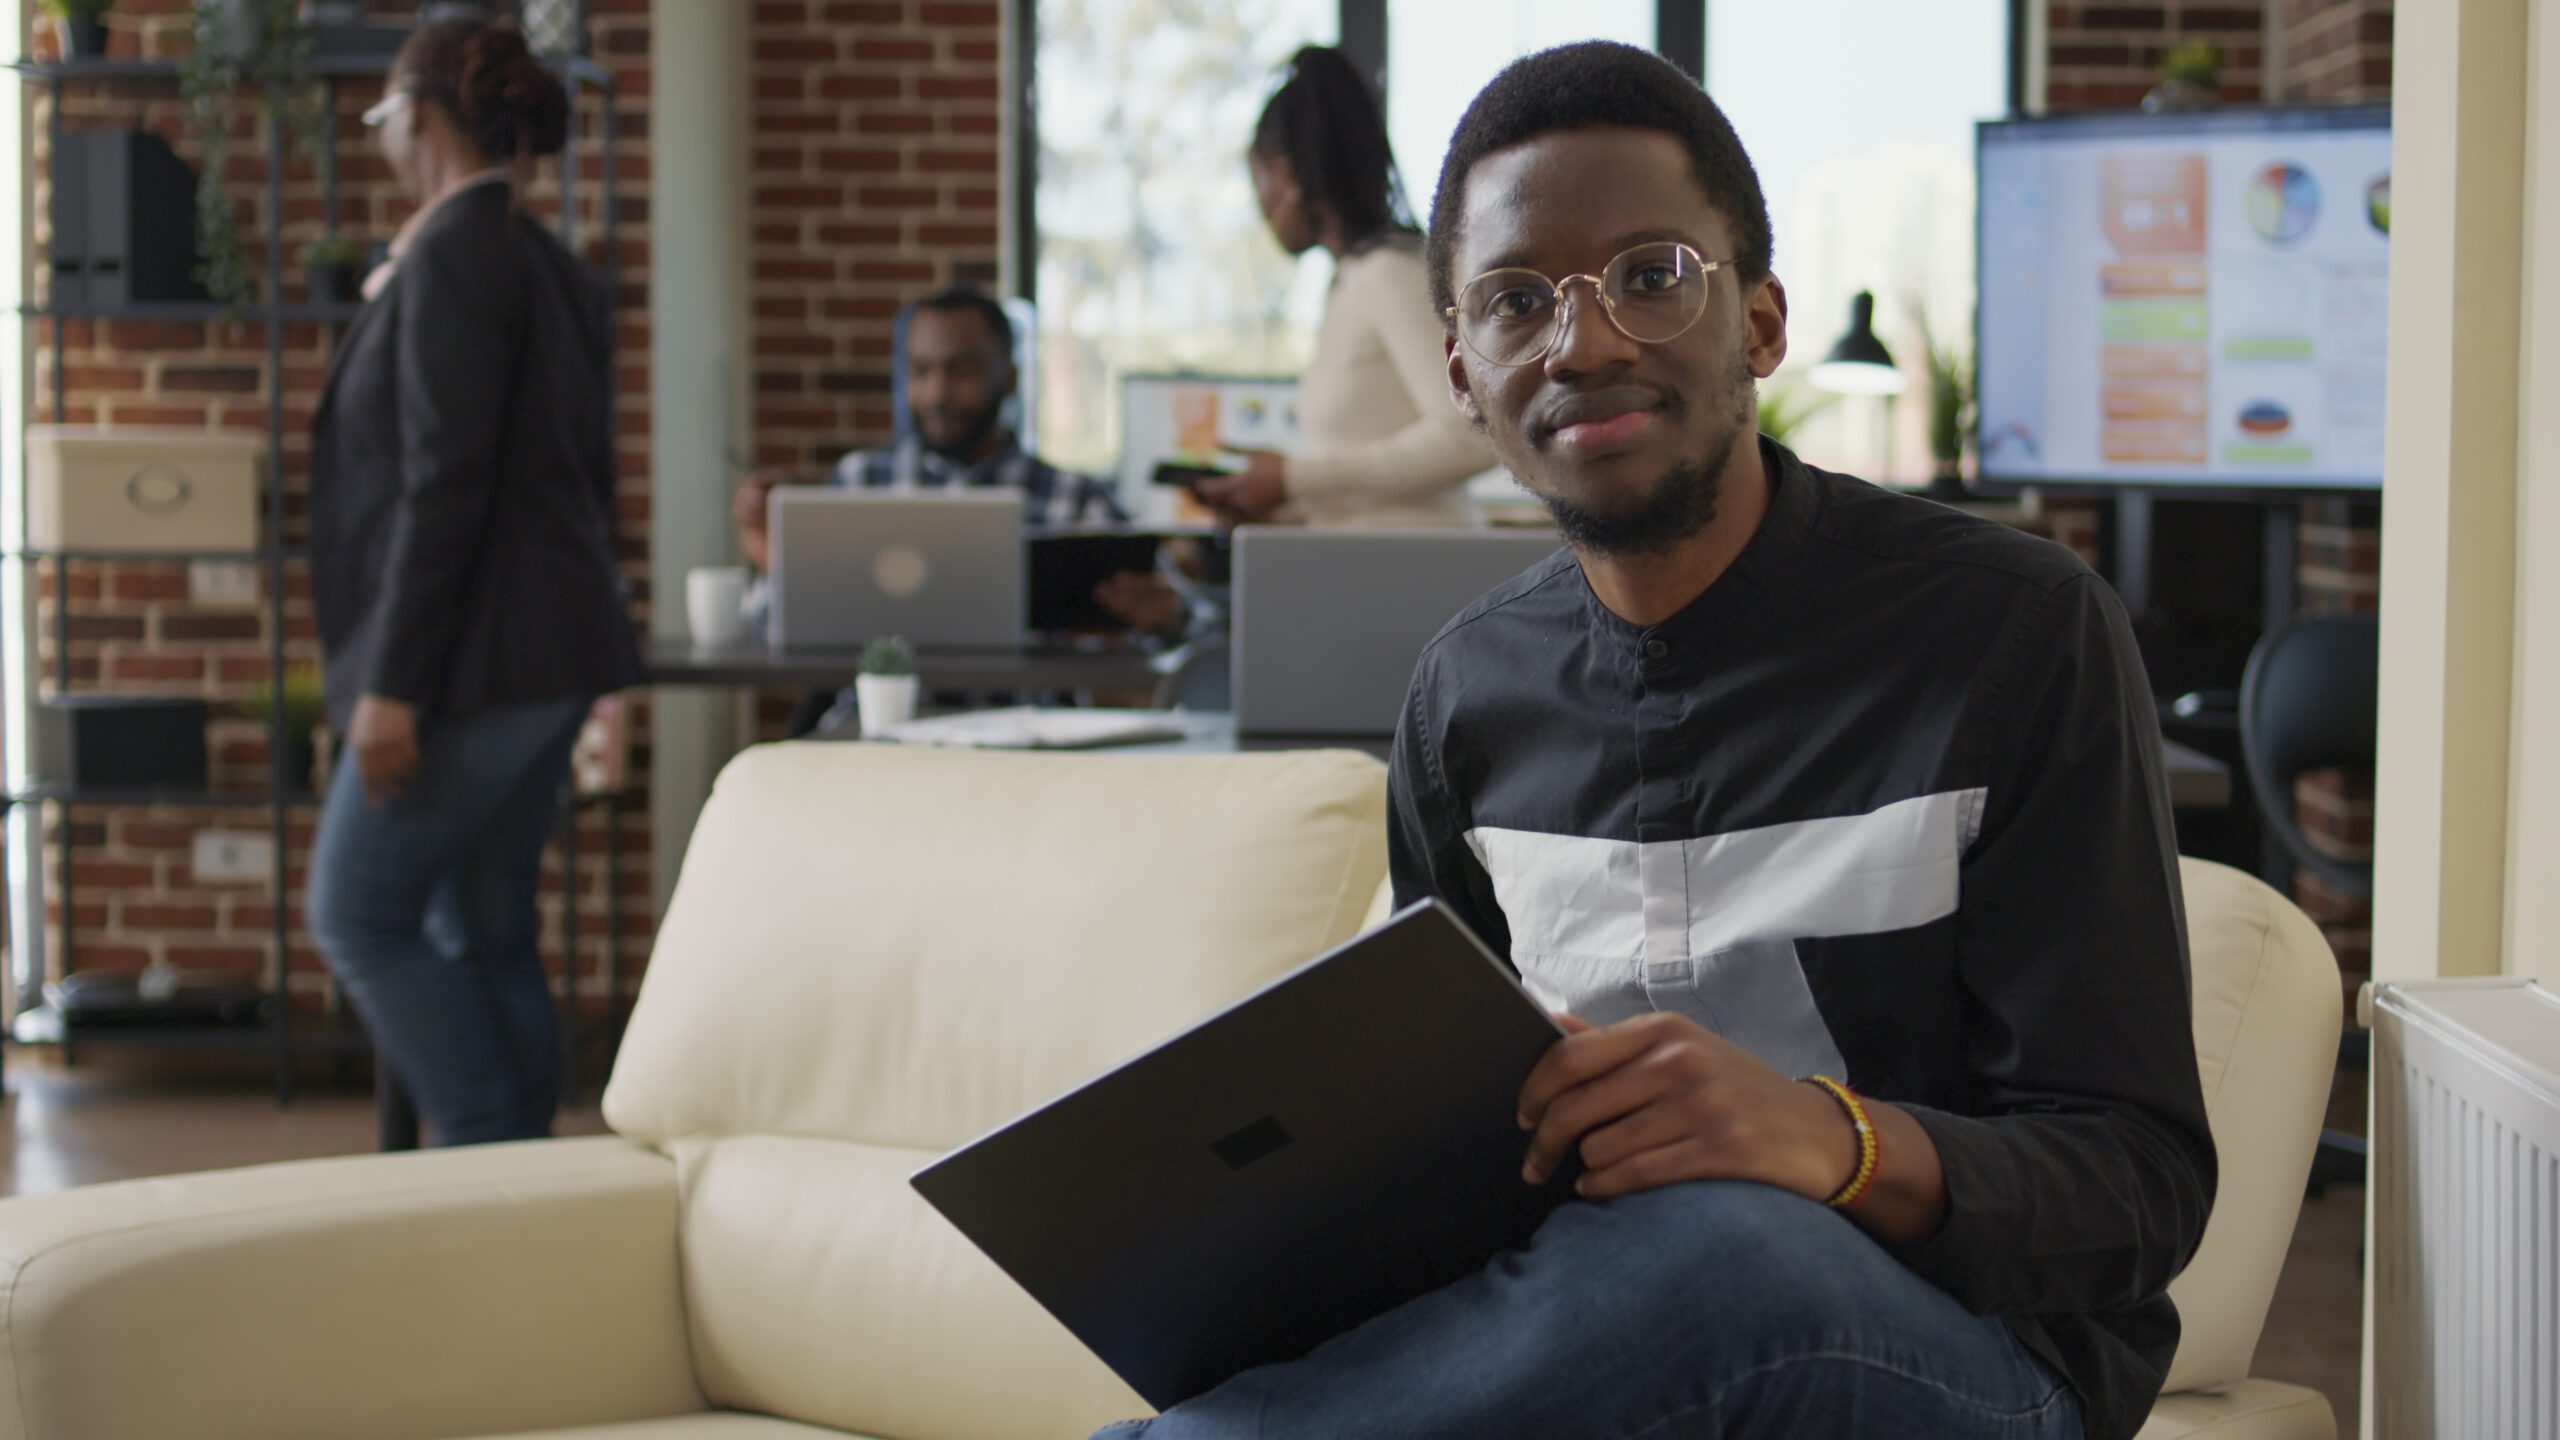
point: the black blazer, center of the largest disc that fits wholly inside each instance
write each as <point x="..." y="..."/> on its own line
<point x="462" y="477"/>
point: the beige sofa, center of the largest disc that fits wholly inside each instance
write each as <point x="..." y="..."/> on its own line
<point x="871" y="956"/>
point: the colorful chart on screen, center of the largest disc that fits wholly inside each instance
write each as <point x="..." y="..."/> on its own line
<point x="2195" y="301"/>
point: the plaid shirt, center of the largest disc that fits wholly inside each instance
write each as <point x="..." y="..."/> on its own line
<point x="1050" y="496"/>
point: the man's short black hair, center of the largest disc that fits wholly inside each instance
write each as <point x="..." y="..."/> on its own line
<point x="1599" y="82"/>
<point x="966" y="298"/>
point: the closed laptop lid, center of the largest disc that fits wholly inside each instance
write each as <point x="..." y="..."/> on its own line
<point x="1323" y="1151"/>
<point x="941" y="567"/>
<point x="1329" y="624"/>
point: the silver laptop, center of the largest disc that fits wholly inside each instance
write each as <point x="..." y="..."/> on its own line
<point x="1329" y="623"/>
<point x="942" y="568"/>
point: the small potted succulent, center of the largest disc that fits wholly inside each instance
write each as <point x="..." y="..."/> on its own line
<point x="885" y="691"/>
<point x="306" y="708"/>
<point x="83" y="26"/>
<point x="336" y="266"/>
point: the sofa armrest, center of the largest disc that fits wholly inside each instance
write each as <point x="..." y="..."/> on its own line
<point x="397" y="1297"/>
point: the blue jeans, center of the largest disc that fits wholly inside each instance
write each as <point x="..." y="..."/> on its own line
<point x="1717" y="1309"/>
<point x="428" y="909"/>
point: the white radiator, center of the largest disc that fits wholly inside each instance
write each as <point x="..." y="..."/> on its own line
<point x="2466" y="1211"/>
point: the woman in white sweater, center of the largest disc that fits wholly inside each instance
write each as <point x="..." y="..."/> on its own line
<point x="1381" y="444"/>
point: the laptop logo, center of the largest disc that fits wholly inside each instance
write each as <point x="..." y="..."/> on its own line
<point x="1256" y="1141"/>
<point x="900" y="571"/>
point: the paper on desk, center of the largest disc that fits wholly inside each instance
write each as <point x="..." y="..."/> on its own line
<point x="1026" y="727"/>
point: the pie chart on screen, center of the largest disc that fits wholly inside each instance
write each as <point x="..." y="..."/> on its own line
<point x="2265" y="418"/>
<point x="2282" y="202"/>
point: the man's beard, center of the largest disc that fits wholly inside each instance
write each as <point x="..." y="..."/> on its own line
<point x="1682" y="504"/>
<point x="971" y="440"/>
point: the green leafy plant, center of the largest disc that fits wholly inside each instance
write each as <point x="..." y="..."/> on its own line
<point x="76" y="9"/>
<point x="1951" y="393"/>
<point x="2197" y="63"/>
<point x="1786" y="405"/>
<point x="889" y="655"/>
<point x="306" y="703"/>
<point x="331" y="250"/>
<point x="262" y="45"/>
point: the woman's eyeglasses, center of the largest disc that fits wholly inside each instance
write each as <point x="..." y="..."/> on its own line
<point x="1652" y="293"/>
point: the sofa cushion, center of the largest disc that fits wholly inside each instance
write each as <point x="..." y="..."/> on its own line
<point x="688" y="1427"/>
<point x="824" y="1290"/>
<point x="908" y="947"/>
<point x="2267" y="1006"/>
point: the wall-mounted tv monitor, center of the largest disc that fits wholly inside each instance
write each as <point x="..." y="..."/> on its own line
<point x="2193" y="302"/>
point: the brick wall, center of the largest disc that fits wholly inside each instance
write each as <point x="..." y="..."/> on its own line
<point x="2106" y="56"/>
<point x="2332" y="49"/>
<point x="873" y="181"/>
<point x="133" y="626"/>
<point x="876" y="134"/>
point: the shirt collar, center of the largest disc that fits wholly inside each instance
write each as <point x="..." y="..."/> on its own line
<point x="987" y="471"/>
<point x="1794" y="503"/>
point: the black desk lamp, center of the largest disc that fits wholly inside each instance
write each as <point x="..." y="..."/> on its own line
<point x="1859" y="364"/>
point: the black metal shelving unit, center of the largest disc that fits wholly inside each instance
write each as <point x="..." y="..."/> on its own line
<point x="32" y="1020"/>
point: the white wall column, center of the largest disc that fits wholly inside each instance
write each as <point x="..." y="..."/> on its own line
<point x="2449" y="524"/>
<point x="699" y="357"/>
<point x="2533" y="762"/>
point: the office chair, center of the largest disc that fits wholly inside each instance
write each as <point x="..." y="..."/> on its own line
<point x="2307" y="702"/>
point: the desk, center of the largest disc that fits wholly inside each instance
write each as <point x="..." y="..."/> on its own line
<point x="2197" y="781"/>
<point x="977" y="672"/>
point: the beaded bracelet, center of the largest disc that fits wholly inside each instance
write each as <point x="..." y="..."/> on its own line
<point x="1870" y="1144"/>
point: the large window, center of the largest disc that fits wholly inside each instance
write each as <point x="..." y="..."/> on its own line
<point x="1441" y="52"/>
<point x="1865" y="152"/>
<point x="1152" y="254"/>
<point x="1147" y="252"/>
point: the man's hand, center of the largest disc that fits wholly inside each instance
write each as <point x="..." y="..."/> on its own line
<point x="1145" y="603"/>
<point x="748" y="511"/>
<point x="1658" y="1100"/>
<point x="384" y="736"/>
<point x="1250" y="494"/>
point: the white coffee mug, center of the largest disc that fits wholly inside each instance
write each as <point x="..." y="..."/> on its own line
<point x="716" y="604"/>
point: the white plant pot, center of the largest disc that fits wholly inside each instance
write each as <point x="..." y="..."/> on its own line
<point x="884" y="701"/>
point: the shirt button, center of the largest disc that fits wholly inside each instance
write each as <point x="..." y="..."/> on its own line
<point x="1656" y="648"/>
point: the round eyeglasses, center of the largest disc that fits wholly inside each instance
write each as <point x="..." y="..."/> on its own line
<point x="1652" y="293"/>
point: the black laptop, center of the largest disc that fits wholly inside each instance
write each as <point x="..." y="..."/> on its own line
<point x="1322" y="1151"/>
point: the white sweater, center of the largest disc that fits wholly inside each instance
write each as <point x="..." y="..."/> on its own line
<point x="1382" y="446"/>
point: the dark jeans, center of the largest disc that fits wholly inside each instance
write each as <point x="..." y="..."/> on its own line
<point x="1717" y="1309"/>
<point x="428" y="910"/>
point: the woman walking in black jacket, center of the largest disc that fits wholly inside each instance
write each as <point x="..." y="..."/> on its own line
<point x="464" y="577"/>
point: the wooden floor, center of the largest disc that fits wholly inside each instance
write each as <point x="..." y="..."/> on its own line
<point x="121" y="1116"/>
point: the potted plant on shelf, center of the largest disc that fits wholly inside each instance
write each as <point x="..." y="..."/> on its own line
<point x="82" y="25"/>
<point x="306" y="707"/>
<point x="885" y="692"/>
<point x="261" y="46"/>
<point x="2190" y="78"/>
<point x="336" y="266"/>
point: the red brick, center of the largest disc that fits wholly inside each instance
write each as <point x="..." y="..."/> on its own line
<point x="901" y="50"/>
<point x="956" y="161"/>
<point x="894" y="122"/>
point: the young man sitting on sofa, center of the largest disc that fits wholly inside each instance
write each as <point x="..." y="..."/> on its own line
<point x="1833" y="818"/>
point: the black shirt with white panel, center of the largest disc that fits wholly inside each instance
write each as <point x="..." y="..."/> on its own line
<point x="1884" y="803"/>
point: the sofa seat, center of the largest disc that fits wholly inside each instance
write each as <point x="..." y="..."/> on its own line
<point x="2247" y="1410"/>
